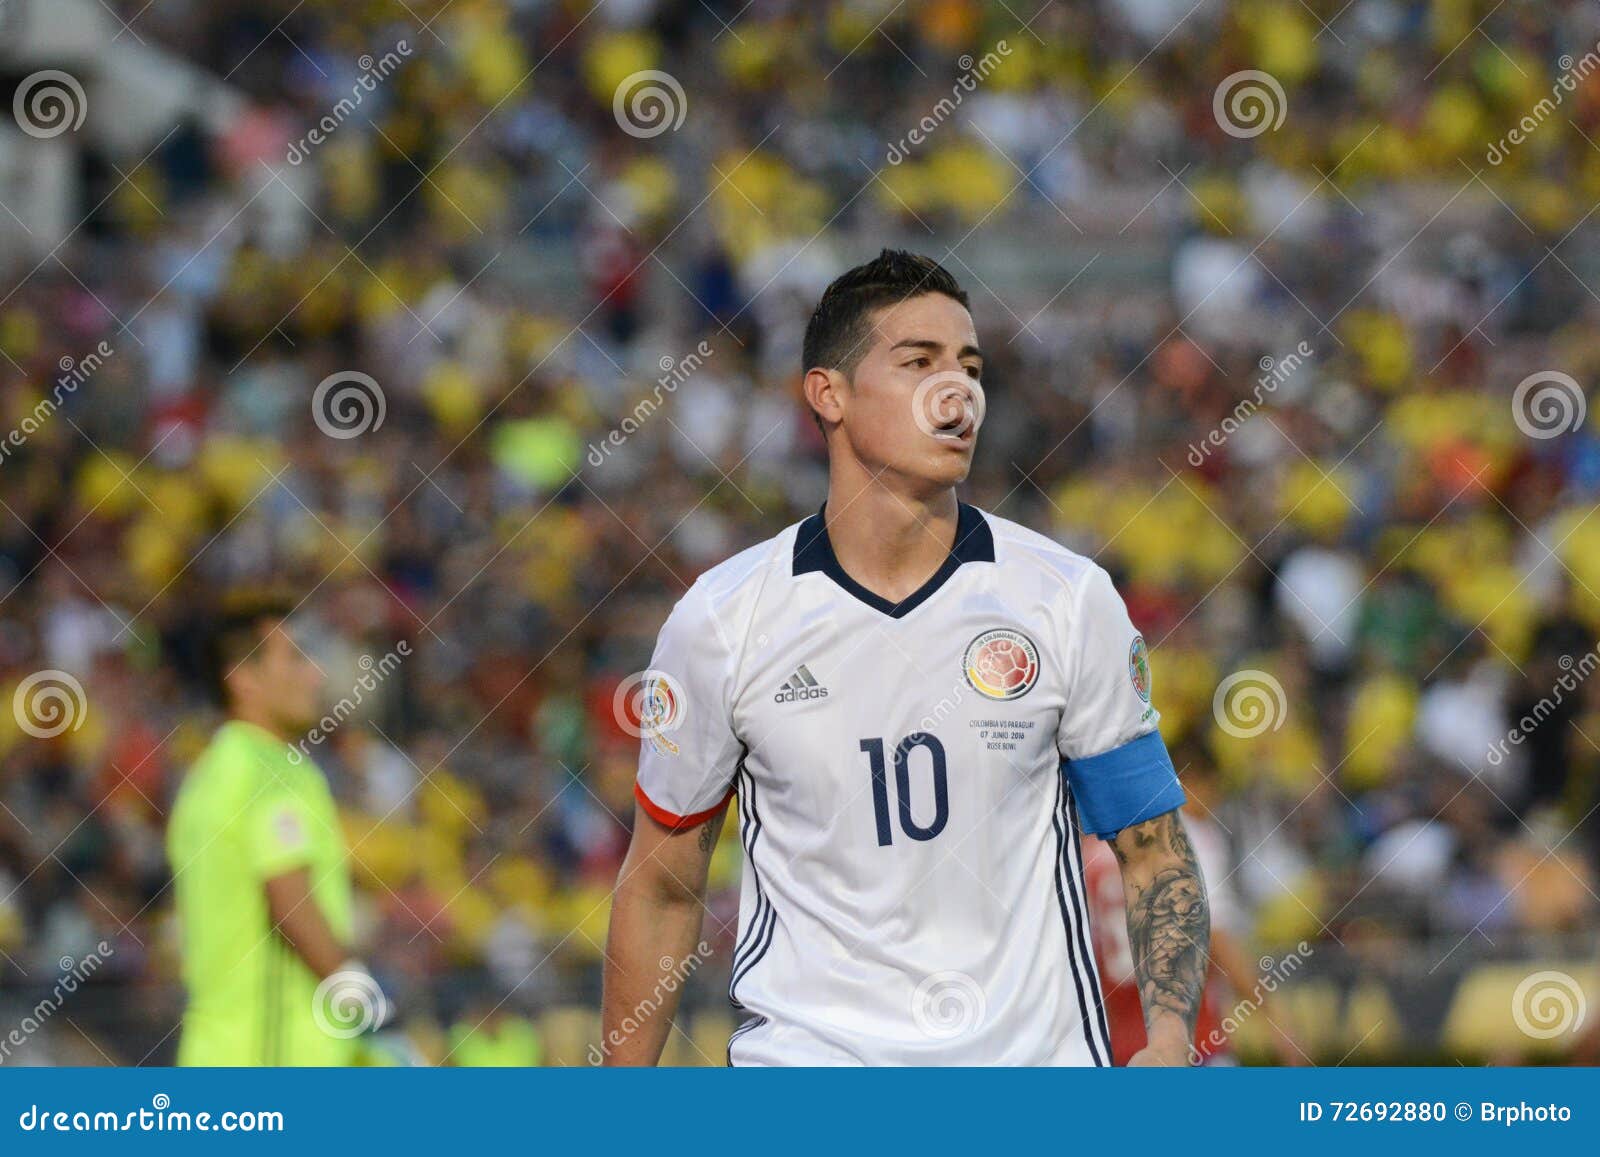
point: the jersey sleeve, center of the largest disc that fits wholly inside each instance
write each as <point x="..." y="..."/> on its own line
<point x="278" y="834"/>
<point x="1113" y="756"/>
<point x="688" y="752"/>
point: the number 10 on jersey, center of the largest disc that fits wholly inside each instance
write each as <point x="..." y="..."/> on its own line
<point x="902" y="786"/>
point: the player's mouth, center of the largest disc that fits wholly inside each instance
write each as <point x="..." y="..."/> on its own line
<point x="959" y="431"/>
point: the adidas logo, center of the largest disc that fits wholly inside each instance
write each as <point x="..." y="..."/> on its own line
<point x="801" y="685"/>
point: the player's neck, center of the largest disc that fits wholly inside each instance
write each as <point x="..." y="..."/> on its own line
<point x="262" y="720"/>
<point x="890" y="543"/>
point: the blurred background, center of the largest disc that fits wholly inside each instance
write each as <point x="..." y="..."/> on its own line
<point x="476" y="323"/>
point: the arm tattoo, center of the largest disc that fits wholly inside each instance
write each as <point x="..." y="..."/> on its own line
<point x="1169" y="920"/>
<point x="708" y="834"/>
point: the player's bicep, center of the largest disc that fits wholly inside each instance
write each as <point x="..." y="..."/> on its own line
<point x="1112" y="755"/>
<point x="688" y="752"/>
<point x="671" y="862"/>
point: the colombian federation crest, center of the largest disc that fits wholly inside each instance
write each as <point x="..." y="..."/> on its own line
<point x="1001" y="664"/>
<point x="1139" y="667"/>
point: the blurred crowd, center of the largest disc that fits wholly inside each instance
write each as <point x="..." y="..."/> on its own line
<point x="1267" y="378"/>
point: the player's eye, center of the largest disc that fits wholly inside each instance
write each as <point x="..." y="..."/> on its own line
<point x="919" y="362"/>
<point x="974" y="372"/>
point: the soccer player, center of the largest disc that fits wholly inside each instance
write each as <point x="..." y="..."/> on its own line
<point x="258" y="862"/>
<point x="919" y="706"/>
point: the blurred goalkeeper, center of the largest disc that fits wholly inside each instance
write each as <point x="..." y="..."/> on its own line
<point x="259" y="868"/>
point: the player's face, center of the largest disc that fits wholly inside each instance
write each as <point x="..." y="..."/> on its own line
<point x="915" y="401"/>
<point x="288" y="684"/>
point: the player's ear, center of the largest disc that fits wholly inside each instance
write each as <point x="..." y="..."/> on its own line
<point x="822" y="389"/>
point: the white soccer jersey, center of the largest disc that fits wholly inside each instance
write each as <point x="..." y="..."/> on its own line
<point x="913" y="887"/>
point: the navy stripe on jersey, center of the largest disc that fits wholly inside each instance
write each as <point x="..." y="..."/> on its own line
<point x="1090" y="1036"/>
<point x="749" y="832"/>
<point x="763" y="941"/>
<point x="1080" y="897"/>
<point x="753" y="1022"/>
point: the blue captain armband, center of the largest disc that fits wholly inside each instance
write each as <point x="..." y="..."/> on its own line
<point x="1124" y="786"/>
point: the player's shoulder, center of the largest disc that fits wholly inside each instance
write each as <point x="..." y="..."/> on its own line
<point x="238" y="758"/>
<point x="1027" y="554"/>
<point x="724" y="594"/>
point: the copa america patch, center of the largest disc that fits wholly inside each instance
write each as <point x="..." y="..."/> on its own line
<point x="1139" y="667"/>
<point x="660" y="711"/>
<point x="1001" y="664"/>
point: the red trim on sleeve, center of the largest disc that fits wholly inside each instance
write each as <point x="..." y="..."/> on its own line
<point x="671" y="819"/>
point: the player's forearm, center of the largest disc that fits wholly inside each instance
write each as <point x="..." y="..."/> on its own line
<point x="1169" y="926"/>
<point x="300" y="921"/>
<point x="656" y="913"/>
<point x="648" y="929"/>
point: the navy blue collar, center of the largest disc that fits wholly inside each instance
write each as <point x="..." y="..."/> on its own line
<point x="813" y="552"/>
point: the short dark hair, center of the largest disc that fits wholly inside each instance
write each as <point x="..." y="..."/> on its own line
<point x="234" y="629"/>
<point x="836" y="336"/>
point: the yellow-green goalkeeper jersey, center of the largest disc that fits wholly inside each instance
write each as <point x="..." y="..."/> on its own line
<point x="247" y="812"/>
